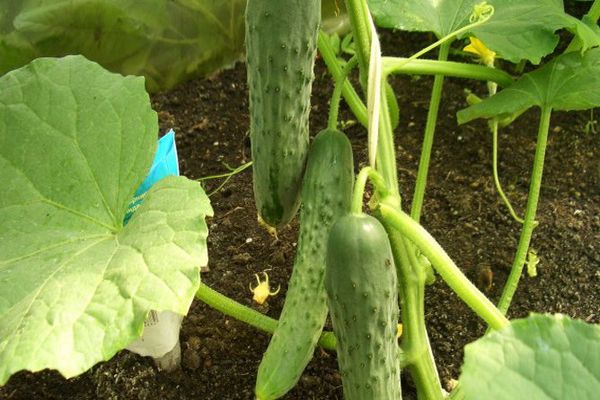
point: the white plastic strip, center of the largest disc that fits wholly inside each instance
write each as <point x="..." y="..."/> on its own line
<point x="373" y="94"/>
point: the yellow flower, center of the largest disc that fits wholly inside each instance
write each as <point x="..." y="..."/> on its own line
<point x="477" y="47"/>
<point x="262" y="291"/>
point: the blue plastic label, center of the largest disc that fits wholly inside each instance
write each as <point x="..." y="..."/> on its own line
<point x="165" y="164"/>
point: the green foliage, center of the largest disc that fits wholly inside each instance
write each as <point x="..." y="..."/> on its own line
<point x="569" y="82"/>
<point x="438" y="16"/>
<point x="517" y="30"/>
<point x="166" y="41"/>
<point x="75" y="284"/>
<point x="539" y="358"/>
<point x="526" y="29"/>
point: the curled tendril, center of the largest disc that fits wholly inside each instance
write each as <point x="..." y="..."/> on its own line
<point x="481" y="12"/>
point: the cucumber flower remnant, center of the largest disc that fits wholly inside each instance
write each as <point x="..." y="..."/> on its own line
<point x="262" y="291"/>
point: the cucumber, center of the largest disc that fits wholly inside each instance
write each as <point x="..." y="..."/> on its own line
<point x="363" y="300"/>
<point x="281" y="37"/>
<point x="326" y="195"/>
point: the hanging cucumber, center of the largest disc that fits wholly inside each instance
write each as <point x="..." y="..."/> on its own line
<point x="363" y="300"/>
<point x="281" y="37"/>
<point x="326" y="195"/>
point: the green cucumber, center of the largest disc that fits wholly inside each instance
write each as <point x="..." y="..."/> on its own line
<point x="281" y="37"/>
<point x="363" y="300"/>
<point x="326" y="195"/>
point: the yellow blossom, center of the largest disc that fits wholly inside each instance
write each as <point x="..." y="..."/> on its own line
<point x="477" y="47"/>
<point x="262" y="291"/>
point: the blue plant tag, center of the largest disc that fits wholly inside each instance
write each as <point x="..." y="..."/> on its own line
<point x="165" y="164"/>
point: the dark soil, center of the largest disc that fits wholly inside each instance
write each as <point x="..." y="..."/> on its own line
<point x="462" y="210"/>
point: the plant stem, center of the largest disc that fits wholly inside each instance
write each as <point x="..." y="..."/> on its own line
<point x="245" y="314"/>
<point x="511" y="210"/>
<point x="594" y="11"/>
<point x="352" y="99"/>
<point x="434" y="105"/>
<point x="358" y="12"/>
<point x="359" y="188"/>
<point x="593" y="14"/>
<point x="416" y="349"/>
<point x="337" y="92"/>
<point x="399" y="65"/>
<point x="386" y="154"/>
<point x="532" y="202"/>
<point x="444" y="265"/>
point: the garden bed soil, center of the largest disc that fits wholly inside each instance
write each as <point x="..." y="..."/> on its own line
<point x="462" y="211"/>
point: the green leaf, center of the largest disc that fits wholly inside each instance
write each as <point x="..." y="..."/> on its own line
<point x="166" y="41"/>
<point x="526" y="29"/>
<point x="75" y="284"/>
<point x="542" y="357"/>
<point x="517" y="30"/>
<point x="438" y="16"/>
<point x="569" y="82"/>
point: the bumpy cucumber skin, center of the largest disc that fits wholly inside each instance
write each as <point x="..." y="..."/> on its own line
<point x="363" y="300"/>
<point x="326" y="194"/>
<point x="281" y="37"/>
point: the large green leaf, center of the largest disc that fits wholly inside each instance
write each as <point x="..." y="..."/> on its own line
<point x="542" y="357"/>
<point x="517" y="30"/>
<point x="526" y="29"/>
<point x="75" y="284"/>
<point x="166" y="41"/>
<point x="438" y="16"/>
<point x="570" y="82"/>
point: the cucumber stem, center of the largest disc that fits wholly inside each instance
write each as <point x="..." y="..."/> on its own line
<point x="252" y="317"/>
<point x="444" y="265"/>
<point x="337" y="92"/>
<point x="359" y="188"/>
<point x="359" y="15"/>
<point x="532" y="201"/>
<point x="399" y="65"/>
<point x="416" y="349"/>
<point x="352" y="99"/>
<point x="432" y="114"/>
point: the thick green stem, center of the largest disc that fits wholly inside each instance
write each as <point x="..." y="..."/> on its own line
<point x="444" y="265"/>
<point x="432" y="114"/>
<point x="532" y="202"/>
<point x="358" y="12"/>
<point x="337" y="92"/>
<point x="416" y="349"/>
<point x="386" y="154"/>
<point x="399" y="65"/>
<point x="245" y="314"/>
<point x="352" y="98"/>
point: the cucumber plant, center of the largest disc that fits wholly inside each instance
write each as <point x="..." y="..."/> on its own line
<point x="372" y="267"/>
<point x="398" y="239"/>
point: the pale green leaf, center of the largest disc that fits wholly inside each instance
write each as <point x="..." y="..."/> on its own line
<point x="542" y="357"/>
<point x="527" y="29"/>
<point x="570" y="82"/>
<point x="517" y="30"/>
<point x="438" y="16"/>
<point x="75" y="285"/>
